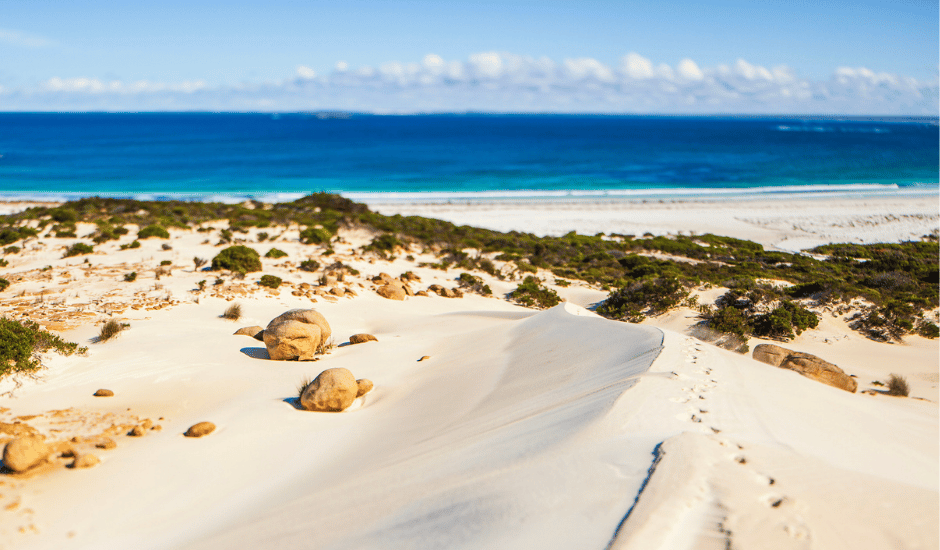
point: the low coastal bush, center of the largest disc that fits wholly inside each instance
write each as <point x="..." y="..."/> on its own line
<point x="11" y="250"/>
<point x="315" y="235"/>
<point x="237" y="258"/>
<point x="233" y="312"/>
<point x="199" y="262"/>
<point x="4" y="284"/>
<point x="111" y="329"/>
<point x="153" y="230"/>
<point x="275" y="253"/>
<point x="652" y="296"/>
<point x="784" y="320"/>
<point x="78" y="249"/>
<point x="309" y="265"/>
<point x="166" y="262"/>
<point x="897" y="386"/>
<point x="270" y="281"/>
<point x="925" y="329"/>
<point x="531" y="293"/>
<point x="474" y="283"/>
<point x="23" y="342"/>
<point x="133" y="244"/>
<point x="130" y="277"/>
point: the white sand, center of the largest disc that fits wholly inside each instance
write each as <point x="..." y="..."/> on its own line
<point x="524" y="429"/>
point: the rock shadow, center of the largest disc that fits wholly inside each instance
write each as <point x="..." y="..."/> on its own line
<point x="293" y="402"/>
<point x="256" y="353"/>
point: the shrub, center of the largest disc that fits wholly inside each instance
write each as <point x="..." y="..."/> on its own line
<point x="201" y="284"/>
<point x="897" y="385"/>
<point x="233" y="313"/>
<point x="11" y="250"/>
<point x="729" y="320"/>
<point x="132" y="244"/>
<point x="474" y="283"/>
<point x="315" y="235"/>
<point x="653" y="295"/>
<point x="531" y="293"/>
<point x="270" y="281"/>
<point x="237" y="258"/>
<point x="111" y="329"/>
<point x="4" y="284"/>
<point x="199" y="262"/>
<point x="275" y="253"/>
<point x="262" y="236"/>
<point x="309" y="265"/>
<point x="153" y="230"/>
<point x="925" y="329"/>
<point x="526" y="266"/>
<point x="384" y="243"/>
<point x="784" y="320"/>
<point x="23" y="342"/>
<point x="166" y="262"/>
<point x="130" y="277"/>
<point x="78" y="249"/>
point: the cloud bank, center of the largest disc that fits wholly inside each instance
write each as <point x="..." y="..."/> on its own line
<point x="505" y="82"/>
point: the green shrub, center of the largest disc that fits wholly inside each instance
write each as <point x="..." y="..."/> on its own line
<point x="784" y="320"/>
<point x="166" y="262"/>
<point x="78" y="249"/>
<point x="237" y="258"/>
<point x="526" y="267"/>
<point x="270" y="281"/>
<point x="729" y="320"/>
<point x="386" y="242"/>
<point x="275" y="253"/>
<point x="23" y="342"/>
<point x="153" y="230"/>
<point x="4" y="284"/>
<point x="132" y="244"/>
<point x="531" y="293"/>
<point x="897" y="386"/>
<point x="111" y="329"/>
<point x="262" y="236"/>
<point x="315" y="235"/>
<point x="653" y="295"/>
<point x="11" y="250"/>
<point x="474" y="283"/>
<point x="309" y="265"/>
<point x="130" y="277"/>
<point x="925" y="329"/>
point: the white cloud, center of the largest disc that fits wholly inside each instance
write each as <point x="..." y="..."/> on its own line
<point x="501" y="82"/>
<point x="23" y="39"/>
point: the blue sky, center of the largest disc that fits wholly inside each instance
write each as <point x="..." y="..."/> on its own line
<point x="245" y="53"/>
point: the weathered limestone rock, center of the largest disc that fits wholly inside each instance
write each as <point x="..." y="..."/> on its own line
<point x="255" y="332"/>
<point x="806" y="364"/>
<point x="362" y="338"/>
<point x="23" y="453"/>
<point x="333" y="390"/>
<point x="392" y="292"/>
<point x="200" y="429"/>
<point x="86" y="460"/>
<point x="104" y="393"/>
<point x="297" y="334"/>
<point x="365" y="386"/>
<point x="384" y="279"/>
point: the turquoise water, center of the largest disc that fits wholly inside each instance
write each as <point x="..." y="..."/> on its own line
<point x="233" y="156"/>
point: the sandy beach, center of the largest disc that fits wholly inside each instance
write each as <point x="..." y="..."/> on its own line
<point x="490" y="425"/>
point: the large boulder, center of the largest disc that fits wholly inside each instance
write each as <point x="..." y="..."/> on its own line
<point x="333" y="390"/>
<point x="297" y="334"/>
<point x="806" y="364"/>
<point x="23" y="453"/>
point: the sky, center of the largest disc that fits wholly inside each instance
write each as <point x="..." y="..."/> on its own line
<point x="864" y="57"/>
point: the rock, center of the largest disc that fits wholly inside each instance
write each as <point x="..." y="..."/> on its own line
<point x="806" y="364"/>
<point x="200" y="429"/>
<point x="391" y="292"/>
<point x="351" y="292"/>
<point x="771" y="354"/>
<point x="407" y="290"/>
<point x="86" y="460"/>
<point x="23" y="453"/>
<point x="384" y="279"/>
<point x="421" y="293"/>
<point x="104" y="393"/>
<point x="106" y="443"/>
<point x="362" y="338"/>
<point x="297" y="334"/>
<point x="337" y="291"/>
<point x="409" y="276"/>
<point x="436" y="289"/>
<point x="424" y="358"/>
<point x="333" y="390"/>
<point x="255" y="332"/>
<point x="365" y="386"/>
<point x="136" y="431"/>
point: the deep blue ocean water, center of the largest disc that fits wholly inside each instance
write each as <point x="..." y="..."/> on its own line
<point x="204" y="155"/>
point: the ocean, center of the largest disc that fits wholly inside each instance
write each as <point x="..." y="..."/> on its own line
<point x="230" y="157"/>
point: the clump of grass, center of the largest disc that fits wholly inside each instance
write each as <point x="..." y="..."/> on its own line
<point x="23" y="342"/>
<point x="275" y="253"/>
<point x="304" y="382"/>
<point x="111" y="329"/>
<point x="130" y="277"/>
<point x="199" y="262"/>
<point x="309" y="265"/>
<point x="78" y="249"/>
<point x="132" y="244"/>
<point x="233" y="313"/>
<point x="897" y="385"/>
<point x="270" y="281"/>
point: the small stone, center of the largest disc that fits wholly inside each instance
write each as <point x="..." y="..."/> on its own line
<point x="107" y="443"/>
<point x="136" y="431"/>
<point x="362" y="338"/>
<point x="86" y="460"/>
<point x="425" y="358"/>
<point x="104" y="393"/>
<point x="365" y="386"/>
<point x="200" y="429"/>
